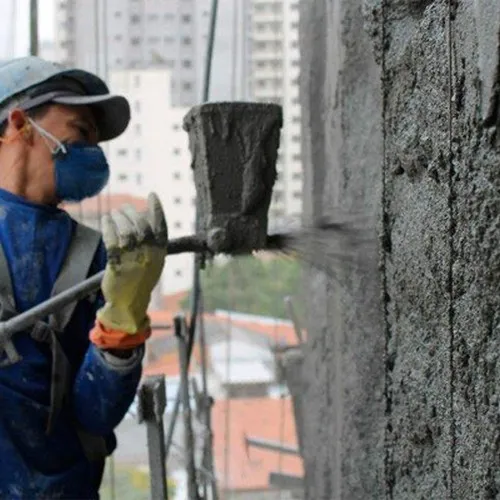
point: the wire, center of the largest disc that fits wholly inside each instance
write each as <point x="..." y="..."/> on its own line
<point x="195" y="292"/>
<point x="227" y="416"/>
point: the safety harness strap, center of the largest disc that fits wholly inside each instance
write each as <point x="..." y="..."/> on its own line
<point x="75" y="269"/>
<point x="7" y="302"/>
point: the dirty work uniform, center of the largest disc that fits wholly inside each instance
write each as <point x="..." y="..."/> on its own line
<point x="33" y="465"/>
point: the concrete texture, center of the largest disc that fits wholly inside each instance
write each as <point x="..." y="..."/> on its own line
<point x="400" y="113"/>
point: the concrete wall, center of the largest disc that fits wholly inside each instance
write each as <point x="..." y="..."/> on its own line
<point x="401" y="373"/>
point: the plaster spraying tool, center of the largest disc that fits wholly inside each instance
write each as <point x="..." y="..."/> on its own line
<point x="234" y="149"/>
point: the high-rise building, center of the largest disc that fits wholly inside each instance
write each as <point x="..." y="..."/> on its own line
<point x="98" y="35"/>
<point x="274" y="66"/>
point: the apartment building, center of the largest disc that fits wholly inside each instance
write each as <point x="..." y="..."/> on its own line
<point x="274" y="67"/>
<point x="135" y="34"/>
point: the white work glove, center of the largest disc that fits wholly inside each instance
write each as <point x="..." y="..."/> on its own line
<point x="137" y="247"/>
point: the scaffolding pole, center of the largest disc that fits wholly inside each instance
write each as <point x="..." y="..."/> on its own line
<point x="33" y="27"/>
<point x="180" y="333"/>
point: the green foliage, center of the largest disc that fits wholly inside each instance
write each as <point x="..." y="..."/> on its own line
<point x="253" y="285"/>
<point x="129" y="484"/>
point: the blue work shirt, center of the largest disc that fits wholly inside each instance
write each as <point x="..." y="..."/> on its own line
<point x="33" y="465"/>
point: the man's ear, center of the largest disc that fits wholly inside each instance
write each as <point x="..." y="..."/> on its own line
<point x="18" y="123"/>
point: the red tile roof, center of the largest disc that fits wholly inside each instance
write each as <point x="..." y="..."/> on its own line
<point x="270" y="419"/>
<point x="168" y="364"/>
<point x="277" y="333"/>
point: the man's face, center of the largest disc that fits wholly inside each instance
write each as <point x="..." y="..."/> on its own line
<point x="68" y="124"/>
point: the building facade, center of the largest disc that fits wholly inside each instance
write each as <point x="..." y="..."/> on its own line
<point x="135" y="34"/>
<point x="273" y="74"/>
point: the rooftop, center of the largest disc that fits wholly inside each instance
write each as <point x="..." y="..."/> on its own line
<point x="248" y="469"/>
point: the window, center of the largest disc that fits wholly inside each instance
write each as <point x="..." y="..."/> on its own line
<point x="137" y="106"/>
<point x="118" y="14"/>
<point x="186" y="18"/>
<point x="295" y="63"/>
<point x="135" y="19"/>
<point x="138" y="179"/>
<point x="296" y="157"/>
<point x="176" y="127"/>
<point x="118" y="61"/>
<point x="295" y="26"/>
<point x="297" y="176"/>
<point x="136" y="40"/>
<point x="118" y="38"/>
<point x="153" y="17"/>
<point x="187" y="86"/>
<point x="177" y="176"/>
<point x="186" y="40"/>
<point x="186" y="63"/>
<point x="177" y="201"/>
<point x="295" y="138"/>
<point x="122" y="177"/>
<point x="178" y="225"/>
<point x="176" y="151"/>
<point x="294" y="44"/>
<point x="138" y="154"/>
<point x="154" y="39"/>
<point x="168" y="39"/>
<point x="137" y="81"/>
<point x="178" y="273"/>
<point x="297" y="195"/>
<point x="296" y="119"/>
<point x="137" y="129"/>
<point x="121" y="152"/>
<point x="168" y="17"/>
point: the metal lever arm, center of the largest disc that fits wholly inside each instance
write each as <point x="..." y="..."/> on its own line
<point x="22" y="321"/>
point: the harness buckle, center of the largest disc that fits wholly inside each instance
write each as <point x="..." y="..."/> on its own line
<point x="12" y="356"/>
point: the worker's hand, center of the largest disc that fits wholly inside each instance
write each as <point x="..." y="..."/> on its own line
<point x="137" y="247"/>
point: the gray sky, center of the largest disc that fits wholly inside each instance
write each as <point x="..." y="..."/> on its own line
<point x="14" y="38"/>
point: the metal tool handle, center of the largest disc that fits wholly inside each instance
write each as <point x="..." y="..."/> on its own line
<point x="75" y="293"/>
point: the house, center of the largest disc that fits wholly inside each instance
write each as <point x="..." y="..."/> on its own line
<point x="243" y="472"/>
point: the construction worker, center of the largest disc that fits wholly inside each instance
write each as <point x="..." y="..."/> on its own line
<point x="80" y="368"/>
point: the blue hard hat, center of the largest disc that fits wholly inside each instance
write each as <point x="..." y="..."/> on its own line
<point x="39" y="82"/>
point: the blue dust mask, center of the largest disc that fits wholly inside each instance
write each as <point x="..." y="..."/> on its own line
<point x="81" y="169"/>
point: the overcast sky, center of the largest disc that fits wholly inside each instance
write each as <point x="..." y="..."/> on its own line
<point x="14" y="38"/>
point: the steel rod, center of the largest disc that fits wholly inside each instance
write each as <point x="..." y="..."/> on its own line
<point x="152" y="404"/>
<point x="33" y="27"/>
<point x="180" y="333"/>
<point x="271" y="445"/>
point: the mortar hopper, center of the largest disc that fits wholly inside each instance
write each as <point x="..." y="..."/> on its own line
<point x="234" y="147"/>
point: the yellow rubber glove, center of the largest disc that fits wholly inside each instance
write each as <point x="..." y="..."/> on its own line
<point x="137" y="246"/>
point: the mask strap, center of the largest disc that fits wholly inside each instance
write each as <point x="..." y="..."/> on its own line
<point x="46" y="136"/>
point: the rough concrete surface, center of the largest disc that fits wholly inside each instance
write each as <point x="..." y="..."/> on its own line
<point x="400" y="103"/>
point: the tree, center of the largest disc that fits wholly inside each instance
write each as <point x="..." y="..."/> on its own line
<point x="252" y="285"/>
